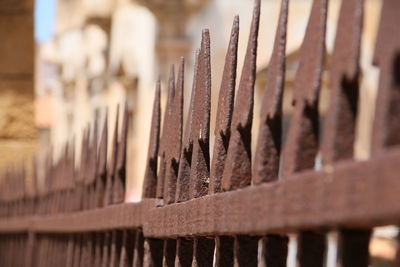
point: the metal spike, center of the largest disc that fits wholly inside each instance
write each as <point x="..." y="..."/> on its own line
<point x="163" y="140"/>
<point x="386" y="122"/>
<point x="101" y="173"/>
<point x="92" y="160"/>
<point x="174" y="135"/>
<point x="266" y="160"/>
<point x="150" y="177"/>
<point x="112" y="163"/>
<point x="340" y="118"/>
<point x="237" y="171"/>
<point x="120" y="171"/>
<point x="200" y="163"/>
<point x="83" y="159"/>
<point x="302" y="140"/>
<point x="224" y="112"/>
<point x="183" y="181"/>
<point x="102" y="153"/>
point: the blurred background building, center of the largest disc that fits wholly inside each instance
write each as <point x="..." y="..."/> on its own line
<point x="88" y="56"/>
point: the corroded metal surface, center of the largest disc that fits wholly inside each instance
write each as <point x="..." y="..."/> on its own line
<point x="185" y="218"/>
<point x="301" y="145"/>
<point x="170" y="143"/>
<point x="339" y="129"/>
<point x="224" y="112"/>
<point x="150" y="177"/>
<point x="267" y="156"/>
<point x="237" y="171"/>
<point x="386" y="123"/>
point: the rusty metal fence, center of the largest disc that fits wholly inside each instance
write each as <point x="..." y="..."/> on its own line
<point x="238" y="207"/>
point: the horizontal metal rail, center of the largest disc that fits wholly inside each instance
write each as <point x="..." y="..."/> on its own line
<point x="348" y="194"/>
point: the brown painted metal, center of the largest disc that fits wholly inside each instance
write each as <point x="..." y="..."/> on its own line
<point x="237" y="171"/>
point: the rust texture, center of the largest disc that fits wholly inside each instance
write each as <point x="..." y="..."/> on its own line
<point x="120" y="169"/>
<point x="171" y="140"/>
<point x="200" y="162"/>
<point x="236" y="210"/>
<point x="339" y="128"/>
<point x="226" y="98"/>
<point x="386" y="123"/>
<point x="150" y="176"/>
<point x="301" y="144"/>
<point x="237" y="170"/>
<point x="183" y="180"/>
<point x="267" y="156"/>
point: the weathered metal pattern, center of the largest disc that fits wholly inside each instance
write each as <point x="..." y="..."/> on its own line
<point x="150" y="176"/>
<point x="79" y="220"/>
<point x="302" y="141"/>
<point x="120" y="170"/>
<point x="200" y="162"/>
<point x="111" y="169"/>
<point x="101" y="167"/>
<point x="183" y="180"/>
<point x="386" y="57"/>
<point x="339" y="128"/>
<point x="237" y="171"/>
<point x="224" y="112"/>
<point x="170" y="143"/>
<point x="301" y="145"/>
<point x="267" y="156"/>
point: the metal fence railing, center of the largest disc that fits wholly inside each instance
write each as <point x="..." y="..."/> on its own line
<point x="238" y="207"/>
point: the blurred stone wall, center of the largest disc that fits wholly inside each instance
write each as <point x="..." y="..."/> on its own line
<point x="17" y="122"/>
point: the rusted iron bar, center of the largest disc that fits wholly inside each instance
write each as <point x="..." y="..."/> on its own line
<point x="307" y="200"/>
<point x="340" y="120"/>
<point x="111" y="168"/>
<point x="267" y="156"/>
<point x="237" y="171"/>
<point x="386" y="57"/>
<point x="101" y="167"/>
<point x="150" y="177"/>
<point x="226" y="98"/>
<point x="183" y="180"/>
<point x="312" y="208"/>
<point x="302" y="139"/>
<point x="120" y="161"/>
<point x="170" y="143"/>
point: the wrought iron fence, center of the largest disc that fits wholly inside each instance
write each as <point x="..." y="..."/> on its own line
<point x="237" y="209"/>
